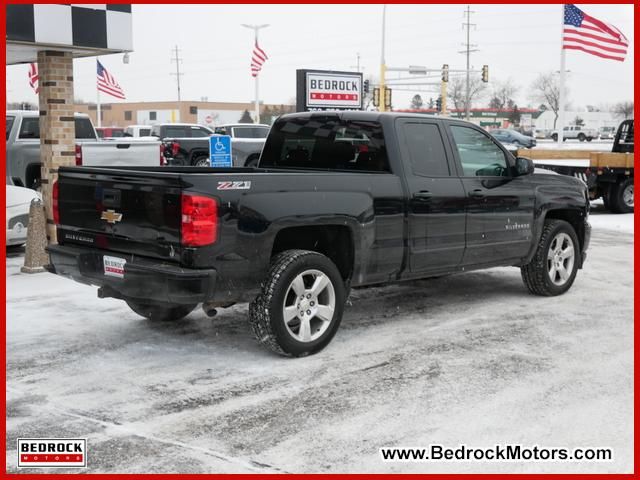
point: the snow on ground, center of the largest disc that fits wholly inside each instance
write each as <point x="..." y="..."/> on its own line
<point x="468" y="358"/>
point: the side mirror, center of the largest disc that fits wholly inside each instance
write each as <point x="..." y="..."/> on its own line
<point x="524" y="166"/>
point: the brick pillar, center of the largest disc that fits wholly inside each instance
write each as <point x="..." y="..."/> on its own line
<point x="57" y="127"/>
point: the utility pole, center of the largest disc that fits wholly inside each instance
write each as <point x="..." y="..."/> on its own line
<point x="467" y="24"/>
<point x="178" y="60"/>
<point x="383" y="66"/>
<point x="255" y="29"/>
<point x="357" y="65"/>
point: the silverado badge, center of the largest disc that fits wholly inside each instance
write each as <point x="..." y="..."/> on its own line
<point x="111" y="216"/>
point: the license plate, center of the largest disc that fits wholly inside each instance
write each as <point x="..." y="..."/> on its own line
<point x="113" y="266"/>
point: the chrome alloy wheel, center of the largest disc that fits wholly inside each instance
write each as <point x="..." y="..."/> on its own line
<point x="627" y="196"/>
<point x="309" y="305"/>
<point x="561" y="259"/>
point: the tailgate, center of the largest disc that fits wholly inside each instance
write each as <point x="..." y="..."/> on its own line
<point x="115" y="153"/>
<point x="133" y="211"/>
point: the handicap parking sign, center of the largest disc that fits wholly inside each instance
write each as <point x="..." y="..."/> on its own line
<point x="220" y="151"/>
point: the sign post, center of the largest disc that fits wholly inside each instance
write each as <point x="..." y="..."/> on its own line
<point x="220" y="151"/>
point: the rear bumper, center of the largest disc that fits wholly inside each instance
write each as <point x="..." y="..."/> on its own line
<point x="143" y="278"/>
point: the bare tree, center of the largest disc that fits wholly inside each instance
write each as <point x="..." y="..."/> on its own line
<point x="502" y="94"/>
<point x="546" y="89"/>
<point x="456" y="91"/>
<point x="624" y="109"/>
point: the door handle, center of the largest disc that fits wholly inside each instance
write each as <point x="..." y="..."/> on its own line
<point x="423" y="195"/>
<point x="477" y="193"/>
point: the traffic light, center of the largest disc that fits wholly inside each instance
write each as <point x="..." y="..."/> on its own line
<point x="365" y="87"/>
<point x="485" y="73"/>
<point x="376" y="97"/>
<point x="387" y="97"/>
<point x="445" y="73"/>
<point x="439" y="103"/>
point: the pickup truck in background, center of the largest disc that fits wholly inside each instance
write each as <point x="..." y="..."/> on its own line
<point x="608" y="175"/>
<point x="415" y="197"/>
<point x="247" y="141"/>
<point x="137" y="131"/>
<point x="576" y="132"/>
<point x="23" y="148"/>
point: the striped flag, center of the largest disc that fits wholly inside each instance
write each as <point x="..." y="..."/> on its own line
<point x="590" y="35"/>
<point x="257" y="59"/>
<point x="108" y="84"/>
<point x="33" y="77"/>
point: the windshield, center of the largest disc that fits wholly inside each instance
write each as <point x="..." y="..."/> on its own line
<point x="325" y="142"/>
<point x="9" y="125"/>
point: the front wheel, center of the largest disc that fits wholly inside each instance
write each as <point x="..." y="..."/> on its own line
<point x="581" y="137"/>
<point x="300" y="307"/>
<point x="553" y="268"/>
<point x="159" y="311"/>
<point x="554" y="137"/>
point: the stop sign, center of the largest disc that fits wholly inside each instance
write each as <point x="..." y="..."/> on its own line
<point x="208" y="119"/>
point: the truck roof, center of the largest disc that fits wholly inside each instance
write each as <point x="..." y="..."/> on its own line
<point x="371" y="116"/>
<point x="35" y="113"/>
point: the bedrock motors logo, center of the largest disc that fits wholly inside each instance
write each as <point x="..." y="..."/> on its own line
<point x="52" y="452"/>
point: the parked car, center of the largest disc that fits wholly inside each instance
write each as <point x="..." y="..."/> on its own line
<point x="23" y="148"/>
<point x="514" y="138"/>
<point x="607" y="133"/>
<point x="428" y="196"/>
<point x="136" y="131"/>
<point x="180" y="130"/>
<point x="578" y="132"/>
<point x="542" y="133"/>
<point x="17" y="216"/>
<point x="110" y="132"/>
<point x="247" y="141"/>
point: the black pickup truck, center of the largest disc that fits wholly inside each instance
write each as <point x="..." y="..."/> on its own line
<point x="339" y="200"/>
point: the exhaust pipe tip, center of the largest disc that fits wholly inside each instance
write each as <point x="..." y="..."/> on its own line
<point x="209" y="310"/>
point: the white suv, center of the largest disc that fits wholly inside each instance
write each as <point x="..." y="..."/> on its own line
<point x="576" y="132"/>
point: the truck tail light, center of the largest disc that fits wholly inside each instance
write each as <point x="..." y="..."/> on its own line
<point x="79" y="155"/>
<point x="175" y="148"/>
<point x="54" y="202"/>
<point x="199" y="220"/>
<point x="163" y="161"/>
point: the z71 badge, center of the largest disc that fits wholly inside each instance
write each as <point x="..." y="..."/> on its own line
<point x="234" y="185"/>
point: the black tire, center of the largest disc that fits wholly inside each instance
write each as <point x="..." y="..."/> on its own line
<point x="554" y="137"/>
<point x="581" y="137"/>
<point x="158" y="311"/>
<point x="589" y="139"/>
<point x="266" y="312"/>
<point x="606" y="198"/>
<point x="201" y="161"/>
<point x="252" y="161"/>
<point x="621" y="197"/>
<point x="536" y="274"/>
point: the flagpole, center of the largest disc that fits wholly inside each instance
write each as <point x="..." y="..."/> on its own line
<point x="255" y="29"/>
<point x="561" y="95"/>
<point x="98" y="112"/>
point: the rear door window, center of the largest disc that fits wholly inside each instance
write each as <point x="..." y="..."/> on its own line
<point x="200" y="132"/>
<point x="250" y="132"/>
<point x="426" y="149"/>
<point x="30" y="128"/>
<point x="177" y="131"/>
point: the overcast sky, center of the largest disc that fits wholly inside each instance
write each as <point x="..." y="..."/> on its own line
<point x="516" y="41"/>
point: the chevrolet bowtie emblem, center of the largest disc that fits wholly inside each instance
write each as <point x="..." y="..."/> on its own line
<point x="111" y="216"/>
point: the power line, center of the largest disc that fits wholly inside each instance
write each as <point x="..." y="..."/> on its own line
<point x="178" y="61"/>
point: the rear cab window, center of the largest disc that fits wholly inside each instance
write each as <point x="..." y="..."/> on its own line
<point x="250" y="132"/>
<point x="84" y="129"/>
<point x="29" y="128"/>
<point x="9" y="125"/>
<point x="326" y="142"/>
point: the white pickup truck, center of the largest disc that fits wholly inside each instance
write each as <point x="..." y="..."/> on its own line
<point x="576" y="132"/>
<point x="23" y="148"/>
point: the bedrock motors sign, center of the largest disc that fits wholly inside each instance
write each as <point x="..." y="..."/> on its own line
<point x="52" y="452"/>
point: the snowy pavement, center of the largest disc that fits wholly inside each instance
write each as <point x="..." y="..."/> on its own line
<point x="468" y="359"/>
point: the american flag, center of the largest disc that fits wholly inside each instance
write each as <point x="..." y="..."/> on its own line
<point x="108" y="84"/>
<point x="33" y="77"/>
<point x="257" y="59"/>
<point x="583" y="32"/>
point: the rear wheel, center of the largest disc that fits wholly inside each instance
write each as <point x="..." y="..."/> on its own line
<point x="554" y="137"/>
<point x="202" y="161"/>
<point x="621" y="197"/>
<point x="553" y="268"/>
<point x="301" y="304"/>
<point x="582" y="137"/>
<point x="160" y="311"/>
<point x="252" y="161"/>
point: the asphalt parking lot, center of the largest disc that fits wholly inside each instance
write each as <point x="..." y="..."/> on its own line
<point x="468" y="359"/>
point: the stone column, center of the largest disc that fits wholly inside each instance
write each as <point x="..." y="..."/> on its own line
<point x="57" y="126"/>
